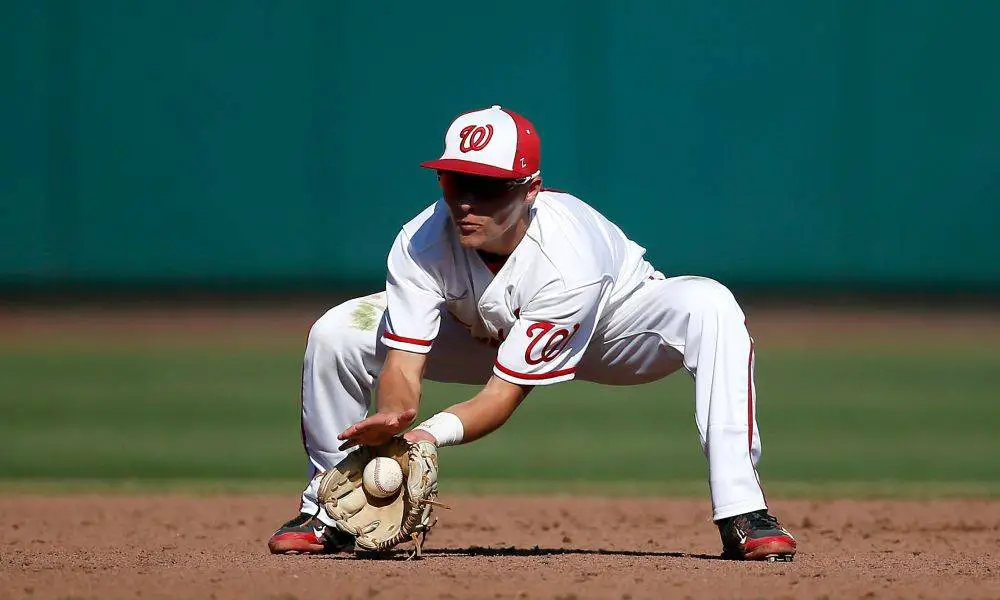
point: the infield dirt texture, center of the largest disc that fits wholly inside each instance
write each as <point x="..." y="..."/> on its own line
<point x="150" y="454"/>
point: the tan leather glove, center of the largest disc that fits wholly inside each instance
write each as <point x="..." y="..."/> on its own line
<point x="378" y="524"/>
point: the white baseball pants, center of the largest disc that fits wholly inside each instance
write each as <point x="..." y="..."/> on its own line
<point x="689" y="322"/>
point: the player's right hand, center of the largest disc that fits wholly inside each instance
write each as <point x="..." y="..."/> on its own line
<point x="377" y="429"/>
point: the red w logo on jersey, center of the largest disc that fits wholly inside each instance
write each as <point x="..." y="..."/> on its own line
<point x="475" y="137"/>
<point x="555" y="341"/>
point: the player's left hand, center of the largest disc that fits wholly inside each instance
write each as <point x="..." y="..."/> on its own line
<point x="376" y="429"/>
<point x="381" y="525"/>
<point x="419" y="435"/>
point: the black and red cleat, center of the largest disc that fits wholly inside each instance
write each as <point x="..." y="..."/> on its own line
<point x="305" y="534"/>
<point x="756" y="536"/>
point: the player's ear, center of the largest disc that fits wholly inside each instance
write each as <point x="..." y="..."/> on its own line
<point x="533" y="188"/>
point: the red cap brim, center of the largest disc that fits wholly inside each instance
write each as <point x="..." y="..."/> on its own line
<point x="471" y="168"/>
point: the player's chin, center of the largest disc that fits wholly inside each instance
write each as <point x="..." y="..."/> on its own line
<point x="472" y="240"/>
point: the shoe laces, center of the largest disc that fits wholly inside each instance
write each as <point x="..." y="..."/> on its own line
<point x="762" y="520"/>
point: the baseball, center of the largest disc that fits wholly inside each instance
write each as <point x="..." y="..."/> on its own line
<point x="382" y="477"/>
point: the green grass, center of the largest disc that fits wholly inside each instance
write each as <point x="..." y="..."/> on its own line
<point x="901" y="420"/>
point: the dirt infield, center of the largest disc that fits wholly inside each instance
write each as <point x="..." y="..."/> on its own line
<point x="213" y="547"/>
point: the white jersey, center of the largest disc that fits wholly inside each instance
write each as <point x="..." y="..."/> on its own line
<point x="541" y="308"/>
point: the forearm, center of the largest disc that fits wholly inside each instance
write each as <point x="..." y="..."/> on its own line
<point x="397" y="390"/>
<point x="484" y="413"/>
<point x="477" y="417"/>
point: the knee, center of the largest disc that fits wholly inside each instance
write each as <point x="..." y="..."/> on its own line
<point x="708" y="298"/>
<point x="328" y="335"/>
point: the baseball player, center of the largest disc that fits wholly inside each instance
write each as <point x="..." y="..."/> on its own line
<point x="509" y="285"/>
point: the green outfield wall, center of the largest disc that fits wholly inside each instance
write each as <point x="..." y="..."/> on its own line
<point x="774" y="142"/>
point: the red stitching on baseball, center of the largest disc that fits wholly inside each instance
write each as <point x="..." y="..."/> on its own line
<point x="378" y="484"/>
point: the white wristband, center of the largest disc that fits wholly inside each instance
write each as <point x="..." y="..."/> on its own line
<point x="446" y="428"/>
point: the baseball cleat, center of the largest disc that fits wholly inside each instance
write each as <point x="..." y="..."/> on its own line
<point x="305" y="534"/>
<point x="756" y="536"/>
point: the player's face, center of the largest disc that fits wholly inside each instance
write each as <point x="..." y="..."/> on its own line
<point x="484" y="209"/>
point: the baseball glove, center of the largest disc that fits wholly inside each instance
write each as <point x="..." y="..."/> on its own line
<point x="378" y="524"/>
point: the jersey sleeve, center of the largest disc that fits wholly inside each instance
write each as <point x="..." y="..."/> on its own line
<point x="550" y="335"/>
<point x="414" y="301"/>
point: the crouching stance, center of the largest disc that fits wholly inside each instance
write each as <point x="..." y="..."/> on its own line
<point x="504" y="282"/>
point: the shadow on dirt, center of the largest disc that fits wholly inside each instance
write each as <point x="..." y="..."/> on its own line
<point x="478" y="551"/>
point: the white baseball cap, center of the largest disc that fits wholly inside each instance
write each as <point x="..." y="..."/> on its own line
<point x="493" y="142"/>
